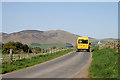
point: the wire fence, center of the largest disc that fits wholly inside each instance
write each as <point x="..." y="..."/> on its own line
<point x="15" y="57"/>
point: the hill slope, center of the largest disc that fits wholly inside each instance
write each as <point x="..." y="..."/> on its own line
<point x="42" y="37"/>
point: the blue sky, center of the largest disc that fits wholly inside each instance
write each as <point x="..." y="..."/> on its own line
<point x="94" y="19"/>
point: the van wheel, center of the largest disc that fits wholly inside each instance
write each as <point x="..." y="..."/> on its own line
<point x="78" y="50"/>
<point x="88" y="50"/>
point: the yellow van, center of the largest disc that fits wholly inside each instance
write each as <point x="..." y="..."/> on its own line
<point x="83" y="44"/>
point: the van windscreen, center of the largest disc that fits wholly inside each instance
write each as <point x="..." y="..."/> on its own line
<point x="81" y="41"/>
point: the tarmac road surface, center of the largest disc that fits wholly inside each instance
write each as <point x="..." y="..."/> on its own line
<point x="71" y="65"/>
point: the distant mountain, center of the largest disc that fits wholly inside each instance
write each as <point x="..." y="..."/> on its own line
<point x="42" y="37"/>
<point x="1" y="33"/>
<point x="109" y="39"/>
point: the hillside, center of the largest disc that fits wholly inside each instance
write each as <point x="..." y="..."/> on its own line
<point x="109" y="39"/>
<point x="42" y="37"/>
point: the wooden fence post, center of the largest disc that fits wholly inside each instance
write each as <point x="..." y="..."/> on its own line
<point x="28" y="53"/>
<point x="42" y="51"/>
<point x="34" y="52"/>
<point x="10" y="55"/>
<point x="58" y="49"/>
<point x="46" y="51"/>
<point x="51" y="50"/>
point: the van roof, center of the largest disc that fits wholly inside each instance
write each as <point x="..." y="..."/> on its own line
<point x="83" y="38"/>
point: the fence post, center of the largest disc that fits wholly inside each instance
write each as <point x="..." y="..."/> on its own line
<point x="45" y="51"/>
<point x="42" y="51"/>
<point x="48" y="49"/>
<point x="28" y="53"/>
<point x="58" y="49"/>
<point x="51" y="50"/>
<point x="10" y="55"/>
<point x="55" y="49"/>
<point x="33" y="51"/>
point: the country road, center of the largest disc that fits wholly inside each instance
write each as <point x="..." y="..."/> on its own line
<point x="71" y="65"/>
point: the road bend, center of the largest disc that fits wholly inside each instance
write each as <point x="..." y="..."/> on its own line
<point x="71" y="65"/>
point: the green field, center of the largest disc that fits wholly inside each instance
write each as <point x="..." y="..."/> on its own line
<point x="104" y="63"/>
<point x="45" y="46"/>
<point x="95" y="42"/>
<point x="24" y="63"/>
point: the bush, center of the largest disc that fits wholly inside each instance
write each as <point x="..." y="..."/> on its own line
<point x="16" y="46"/>
<point x="37" y="49"/>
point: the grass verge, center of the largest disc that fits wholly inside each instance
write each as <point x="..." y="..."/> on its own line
<point x="24" y="63"/>
<point x="104" y="63"/>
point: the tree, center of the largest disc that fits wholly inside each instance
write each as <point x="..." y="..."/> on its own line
<point x="25" y="48"/>
<point x="18" y="45"/>
<point x="10" y="44"/>
<point x="15" y="46"/>
<point x="6" y="47"/>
